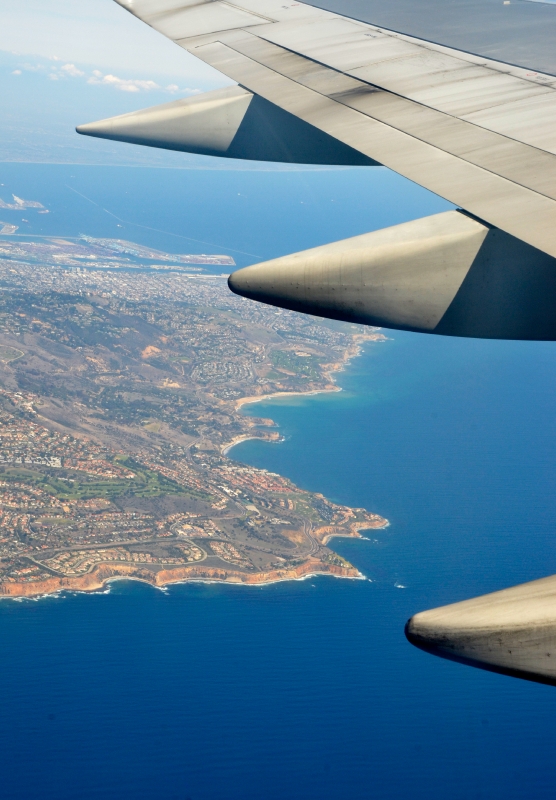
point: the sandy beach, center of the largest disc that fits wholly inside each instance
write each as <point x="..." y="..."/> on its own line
<point x="351" y="352"/>
<point x="259" y="398"/>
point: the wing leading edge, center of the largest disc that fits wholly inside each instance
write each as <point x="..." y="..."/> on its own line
<point x="317" y="87"/>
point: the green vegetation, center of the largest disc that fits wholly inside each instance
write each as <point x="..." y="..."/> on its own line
<point x="72" y="485"/>
<point x="274" y="376"/>
<point x="302" y="366"/>
<point x="334" y="558"/>
<point x="304" y="507"/>
<point x="116" y="407"/>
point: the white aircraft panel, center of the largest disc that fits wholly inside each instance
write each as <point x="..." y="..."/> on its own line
<point x="532" y="121"/>
<point x="405" y="75"/>
<point x="314" y="33"/>
<point x="513" y="208"/>
<point x="508" y="158"/>
<point x="387" y="61"/>
<point x="308" y="73"/>
<point x="144" y="9"/>
<point x="283" y="11"/>
<point x="466" y="95"/>
<point x="205" y="18"/>
<point x="520" y="163"/>
<point x="338" y="46"/>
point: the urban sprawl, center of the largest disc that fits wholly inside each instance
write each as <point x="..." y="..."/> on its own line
<point x="122" y="389"/>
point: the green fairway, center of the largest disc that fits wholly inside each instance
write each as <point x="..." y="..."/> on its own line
<point x="73" y="486"/>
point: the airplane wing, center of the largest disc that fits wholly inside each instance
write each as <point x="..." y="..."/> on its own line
<point x="474" y="122"/>
<point x="480" y="133"/>
<point x="315" y="86"/>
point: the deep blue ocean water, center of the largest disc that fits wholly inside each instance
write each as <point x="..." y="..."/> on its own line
<point x="307" y="689"/>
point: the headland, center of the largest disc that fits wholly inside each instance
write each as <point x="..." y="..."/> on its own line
<point x="117" y="421"/>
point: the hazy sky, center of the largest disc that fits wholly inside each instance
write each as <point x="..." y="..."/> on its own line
<point x="95" y="32"/>
<point x="64" y="62"/>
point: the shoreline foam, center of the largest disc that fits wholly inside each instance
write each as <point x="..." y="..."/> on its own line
<point x="100" y="578"/>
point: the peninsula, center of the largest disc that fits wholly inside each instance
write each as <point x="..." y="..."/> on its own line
<point x="121" y="398"/>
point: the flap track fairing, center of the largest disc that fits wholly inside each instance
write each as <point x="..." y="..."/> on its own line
<point x="230" y="123"/>
<point x="512" y="632"/>
<point x="448" y="274"/>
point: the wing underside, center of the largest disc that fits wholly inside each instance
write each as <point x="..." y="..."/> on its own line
<point x="317" y="87"/>
<point x="480" y="133"/>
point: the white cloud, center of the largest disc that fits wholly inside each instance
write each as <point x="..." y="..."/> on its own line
<point x="172" y="88"/>
<point x="71" y="69"/>
<point x="57" y="72"/>
<point x="123" y="84"/>
<point x="99" y="33"/>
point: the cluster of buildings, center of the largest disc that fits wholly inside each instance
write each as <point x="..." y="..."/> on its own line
<point x="110" y="526"/>
<point x="78" y="562"/>
<point x="255" y="480"/>
<point x="90" y="253"/>
<point x="181" y="473"/>
<point x="99" y="467"/>
<point x="10" y="522"/>
<point x="22" y="496"/>
<point x="44" y="266"/>
<point x="200" y="528"/>
<point x="101" y="246"/>
<point x="26" y="572"/>
<point x="66" y="275"/>
<point x="227" y="552"/>
<point x="23" y="441"/>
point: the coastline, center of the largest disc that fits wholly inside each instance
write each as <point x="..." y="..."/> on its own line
<point x="260" y="398"/>
<point x="273" y="438"/>
<point x="104" y="574"/>
<point x="352" y="351"/>
<point x="355" y="528"/>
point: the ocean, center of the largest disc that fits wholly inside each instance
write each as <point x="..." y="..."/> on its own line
<point x="251" y="214"/>
<point x="306" y="689"/>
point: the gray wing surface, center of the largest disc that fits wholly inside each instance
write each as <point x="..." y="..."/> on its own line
<point x="480" y="133"/>
<point x="521" y="33"/>
<point x="315" y="86"/>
